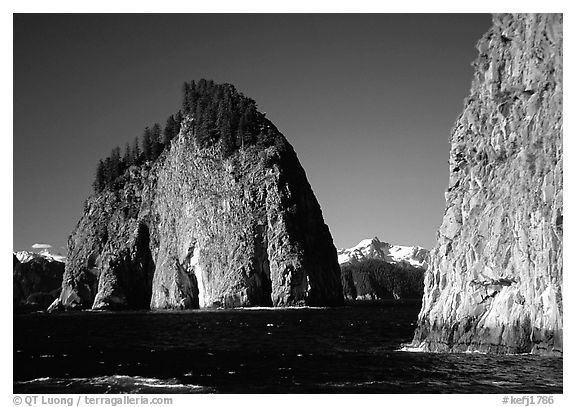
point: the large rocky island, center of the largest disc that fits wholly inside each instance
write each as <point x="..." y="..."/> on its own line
<point x="494" y="283"/>
<point x="223" y="217"/>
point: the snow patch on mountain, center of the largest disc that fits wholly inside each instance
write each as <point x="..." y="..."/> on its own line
<point x="25" y="256"/>
<point x="375" y="249"/>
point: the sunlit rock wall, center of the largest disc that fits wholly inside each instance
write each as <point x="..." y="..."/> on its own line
<point x="495" y="278"/>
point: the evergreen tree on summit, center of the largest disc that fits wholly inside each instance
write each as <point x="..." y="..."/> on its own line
<point x="128" y="158"/>
<point x="171" y="130"/>
<point x="147" y="144"/>
<point x="100" y="181"/>
<point x="115" y="165"/>
<point x="157" y="145"/>
<point x="136" y="151"/>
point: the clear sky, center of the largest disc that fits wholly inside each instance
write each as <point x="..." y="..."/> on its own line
<point x="367" y="101"/>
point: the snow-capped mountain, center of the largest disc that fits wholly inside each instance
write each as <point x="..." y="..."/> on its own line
<point x="375" y="249"/>
<point x="24" y="256"/>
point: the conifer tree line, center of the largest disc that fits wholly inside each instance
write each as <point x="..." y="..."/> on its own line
<point x="384" y="279"/>
<point x="154" y="140"/>
<point x="221" y="116"/>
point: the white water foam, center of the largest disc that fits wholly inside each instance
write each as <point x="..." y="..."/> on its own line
<point x="130" y="382"/>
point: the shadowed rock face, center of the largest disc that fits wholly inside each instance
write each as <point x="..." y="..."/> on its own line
<point x="495" y="278"/>
<point x="195" y="229"/>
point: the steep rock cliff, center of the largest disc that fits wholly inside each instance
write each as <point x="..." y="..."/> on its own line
<point x="199" y="228"/>
<point x="495" y="278"/>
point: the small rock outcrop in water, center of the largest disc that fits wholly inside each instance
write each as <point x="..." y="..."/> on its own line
<point x="37" y="280"/>
<point x="495" y="278"/>
<point x="200" y="228"/>
<point x="375" y="270"/>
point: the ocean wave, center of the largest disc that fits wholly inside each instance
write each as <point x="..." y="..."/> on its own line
<point x="39" y="379"/>
<point x="474" y="352"/>
<point x="294" y="307"/>
<point x="412" y="349"/>
<point x="111" y="384"/>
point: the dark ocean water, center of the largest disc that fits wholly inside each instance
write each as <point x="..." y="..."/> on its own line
<point x="311" y="350"/>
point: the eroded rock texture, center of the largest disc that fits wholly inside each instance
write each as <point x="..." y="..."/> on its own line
<point x="495" y="279"/>
<point x="195" y="229"/>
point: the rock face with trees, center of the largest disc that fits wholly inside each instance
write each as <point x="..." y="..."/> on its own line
<point x="215" y="213"/>
<point x="494" y="283"/>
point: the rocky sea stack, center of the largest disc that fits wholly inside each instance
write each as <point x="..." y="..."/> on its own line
<point x="495" y="278"/>
<point x="224" y="216"/>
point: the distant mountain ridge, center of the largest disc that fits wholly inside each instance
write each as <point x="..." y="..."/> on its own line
<point x="36" y="279"/>
<point x="367" y="249"/>
<point x="375" y="270"/>
<point x="26" y="256"/>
